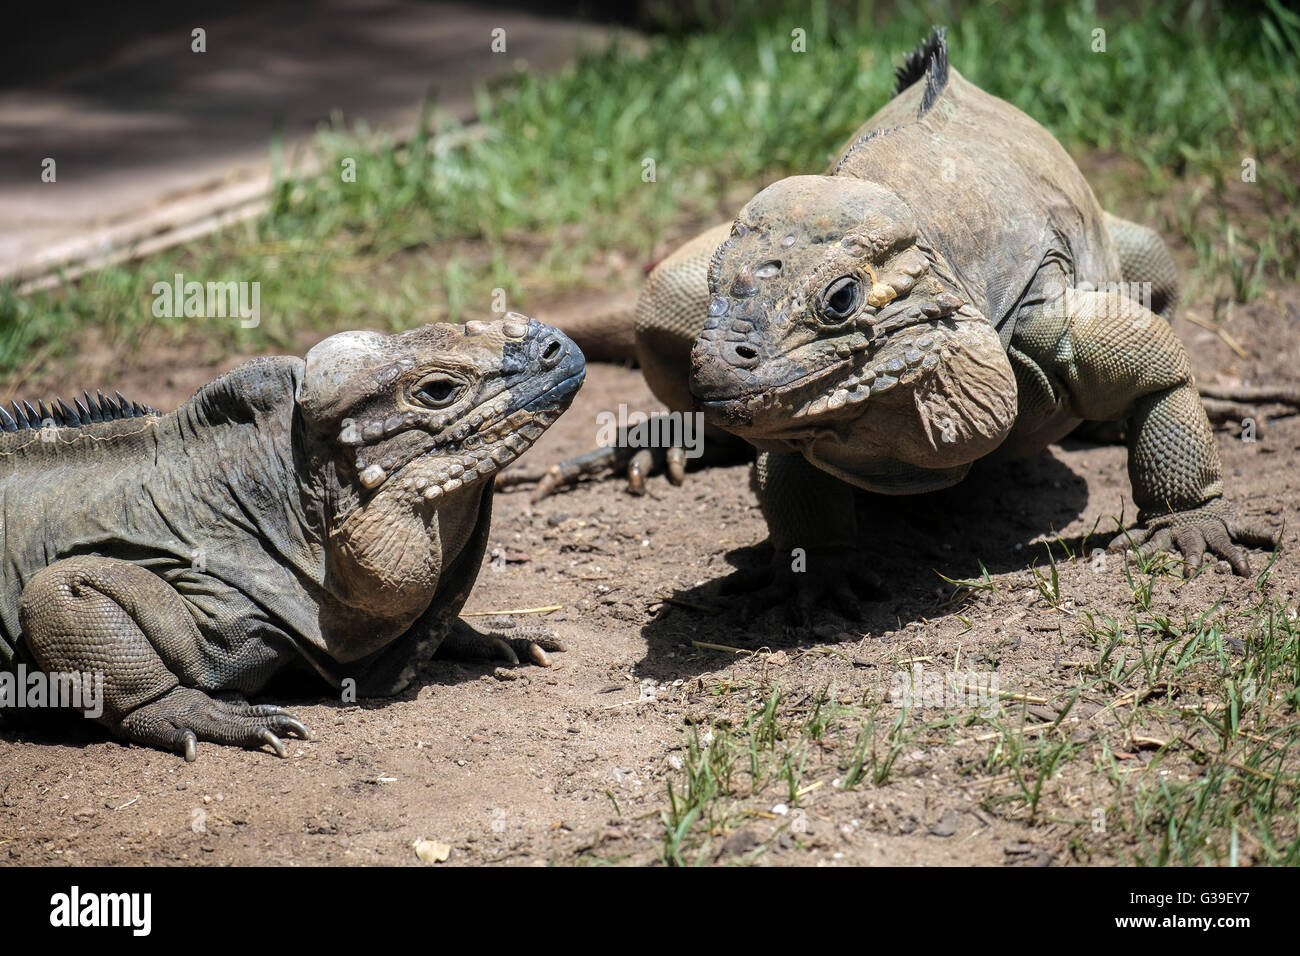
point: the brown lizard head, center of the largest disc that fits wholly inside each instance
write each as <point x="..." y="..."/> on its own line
<point x="404" y="432"/>
<point x="427" y="412"/>
<point x="837" y="330"/>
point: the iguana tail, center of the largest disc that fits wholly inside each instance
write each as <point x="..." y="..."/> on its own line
<point x="605" y="331"/>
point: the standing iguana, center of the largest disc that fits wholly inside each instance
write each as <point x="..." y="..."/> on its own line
<point x="949" y="290"/>
<point x="331" y="512"/>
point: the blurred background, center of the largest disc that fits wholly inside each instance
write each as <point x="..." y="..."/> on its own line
<point x="383" y="163"/>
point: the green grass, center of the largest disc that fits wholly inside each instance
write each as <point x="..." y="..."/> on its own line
<point x="1170" y="737"/>
<point x="785" y="747"/>
<point x="1212" y="698"/>
<point x="539" y="197"/>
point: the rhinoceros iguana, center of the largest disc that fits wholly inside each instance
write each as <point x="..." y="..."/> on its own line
<point x="948" y="291"/>
<point x="331" y="513"/>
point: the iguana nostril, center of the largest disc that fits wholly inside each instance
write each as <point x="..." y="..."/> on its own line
<point x="745" y="356"/>
<point x="551" y="352"/>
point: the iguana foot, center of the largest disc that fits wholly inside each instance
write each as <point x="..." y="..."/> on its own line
<point x="182" y="717"/>
<point x="1213" y="526"/>
<point x="501" y="640"/>
<point x="823" y="577"/>
<point x="640" y="464"/>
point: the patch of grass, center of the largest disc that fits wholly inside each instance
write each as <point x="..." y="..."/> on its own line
<point x="1169" y="737"/>
<point x="552" y="181"/>
<point x="733" y="773"/>
<point x="1213" y="699"/>
<point x="1049" y="584"/>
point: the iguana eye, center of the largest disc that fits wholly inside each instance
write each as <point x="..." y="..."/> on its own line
<point x="438" y="392"/>
<point x="840" y="300"/>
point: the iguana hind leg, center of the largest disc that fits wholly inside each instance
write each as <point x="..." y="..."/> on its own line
<point x="670" y="312"/>
<point x="1144" y="257"/>
<point x="101" y="616"/>
<point x="639" y="464"/>
<point x="500" y="639"/>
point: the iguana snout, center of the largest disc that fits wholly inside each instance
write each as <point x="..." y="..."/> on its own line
<point x="440" y="407"/>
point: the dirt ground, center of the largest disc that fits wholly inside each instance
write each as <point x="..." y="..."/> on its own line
<point x="572" y="764"/>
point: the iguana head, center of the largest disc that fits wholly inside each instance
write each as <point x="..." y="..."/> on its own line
<point x="425" y="413"/>
<point x="402" y="435"/>
<point x="836" y="330"/>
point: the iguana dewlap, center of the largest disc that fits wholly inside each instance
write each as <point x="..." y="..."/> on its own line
<point x="331" y="513"/>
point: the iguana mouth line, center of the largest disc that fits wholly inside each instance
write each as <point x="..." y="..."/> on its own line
<point x="857" y="380"/>
<point x="570" y="384"/>
<point x="777" y="391"/>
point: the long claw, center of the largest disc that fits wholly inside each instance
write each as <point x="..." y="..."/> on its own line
<point x="675" y="462"/>
<point x="539" y="656"/>
<point x="1160" y="541"/>
<point x="638" y="469"/>
<point x="552" y="480"/>
<point x="191" y="746"/>
<point x="1192" y="544"/>
<point x="503" y="650"/>
<point x="297" y="728"/>
<point x="276" y="743"/>
<point x="1131" y="539"/>
<point x="263" y="710"/>
<point x="1253" y="535"/>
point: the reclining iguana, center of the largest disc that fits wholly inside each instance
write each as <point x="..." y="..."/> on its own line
<point x="331" y="513"/>
<point x="948" y="291"/>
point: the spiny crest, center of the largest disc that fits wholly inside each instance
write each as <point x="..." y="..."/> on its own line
<point x="860" y="142"/>
<point x="89" y="412"/>
<point x="929" y="60"/>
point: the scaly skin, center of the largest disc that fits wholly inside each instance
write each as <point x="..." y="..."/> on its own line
<point x="329" y="513"/>
<point x="673" y="306"/>
<point x="923" y="305"/>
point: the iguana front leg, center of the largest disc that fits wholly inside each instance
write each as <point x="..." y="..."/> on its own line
<point x="813" y="528"/>
<point x="1119" y="359"/>
<point x="101" y="616"/>
<point x="1144" y="261"/>
<point x="502" y="640"/>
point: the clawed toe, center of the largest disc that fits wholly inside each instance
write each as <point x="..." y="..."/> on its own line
<point x="839" y="584"/>
<point x="184" y="716"/>
<point x="503" y="641"/>
<point x="1213" y="528"/>
<point x="266" y="737"/>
